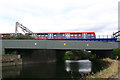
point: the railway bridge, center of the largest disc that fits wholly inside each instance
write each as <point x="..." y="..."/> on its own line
<point x="57" y="45"/>
<point x="48" y="50"/>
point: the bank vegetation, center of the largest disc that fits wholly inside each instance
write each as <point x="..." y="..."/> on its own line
<point x="110" y="71"/>
<point x="109" y="66"/>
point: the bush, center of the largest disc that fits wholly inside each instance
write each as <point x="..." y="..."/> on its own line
<point x="24" y="37"/>
<point x="116" y="52"/>
<point x="14" y="52"/>
<point x="18" y="37"/>
<point x="78" y="55"/>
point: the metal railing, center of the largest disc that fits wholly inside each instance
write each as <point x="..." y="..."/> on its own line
<point x="104" y="36"/>
<point x="117" y="34"/>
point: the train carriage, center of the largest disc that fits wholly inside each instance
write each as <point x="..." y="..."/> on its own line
<point x="63" y="35"/>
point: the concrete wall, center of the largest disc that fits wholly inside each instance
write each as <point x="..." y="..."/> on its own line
<point x="119" y="45"/>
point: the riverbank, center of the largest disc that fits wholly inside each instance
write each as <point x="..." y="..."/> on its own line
<point x="109" y="72"/>
<point x="11" y="60"/>
<point x="118" y="75"/>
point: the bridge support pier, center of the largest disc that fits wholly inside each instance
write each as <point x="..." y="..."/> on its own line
<point x="103" y="53"/>
<point x="60" y="55"/>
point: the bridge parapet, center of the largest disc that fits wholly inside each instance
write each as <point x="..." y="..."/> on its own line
<point x="58" y="44"/>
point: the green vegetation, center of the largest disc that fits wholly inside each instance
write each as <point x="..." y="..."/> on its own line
<point x="110" y="72"/>
<point x="14" y="52"/>
<point x="18" y="37"/>
<point x="78" y="55"/>
<point x="116" y="53"/>
<point x="109" y="67"/>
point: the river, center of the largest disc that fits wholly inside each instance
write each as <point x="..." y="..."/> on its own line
<point x="67" y="69"/>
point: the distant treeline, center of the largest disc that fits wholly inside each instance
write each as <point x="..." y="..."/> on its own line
<point x="80" y="54"/>
<point x="18" y="37"/>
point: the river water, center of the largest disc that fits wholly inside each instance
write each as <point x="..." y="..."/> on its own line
<point x="67" y="69"/>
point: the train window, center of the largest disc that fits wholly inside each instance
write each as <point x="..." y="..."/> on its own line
<point x="46" y="35"/>
<point x="59" y="35"/>
<point x="38" y="34"/>
<point x="11" y="34"/>
<point x="92" y="34"/>
<point x="54" y="35"/>
<point x="63" y="34"/>
<point x="75" y="34"/>
<point x="71" y="34"/>
<point x="88" y="34"/>
<point x="42" y="35"/>
<point x="80" y="34"/>
<point x="33" y="34"/>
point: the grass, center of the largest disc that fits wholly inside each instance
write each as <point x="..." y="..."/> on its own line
<point x="109" y="72"/>
<point x="119" y="66"/>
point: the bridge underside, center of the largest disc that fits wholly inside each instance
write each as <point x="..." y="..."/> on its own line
<point x="38" y="55"/>
<point x="46" y="56"/>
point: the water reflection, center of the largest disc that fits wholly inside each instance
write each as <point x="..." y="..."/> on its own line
<point x="81" y="66"/>
<point x="48" y="70"/>
<point x="11" y="71"/>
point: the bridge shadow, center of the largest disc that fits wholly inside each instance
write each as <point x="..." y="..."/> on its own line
<point x="30" y="56"/>
<point x="49" y="55"/>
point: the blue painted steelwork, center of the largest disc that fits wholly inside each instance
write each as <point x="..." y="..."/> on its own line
<point x="94" y="39"/>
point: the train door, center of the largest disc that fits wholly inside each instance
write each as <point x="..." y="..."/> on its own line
<point x="75" y="36"/>
<point x="67" y="35"/>
<point x="50" y="36"/>
<point x="84" y="35"/>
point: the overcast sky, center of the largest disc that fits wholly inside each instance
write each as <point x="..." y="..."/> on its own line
<point x="100" y="16"/>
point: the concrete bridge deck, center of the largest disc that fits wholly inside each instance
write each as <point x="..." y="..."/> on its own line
<point x="56" y="44"/>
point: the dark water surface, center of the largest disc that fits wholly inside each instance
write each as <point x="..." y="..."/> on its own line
<point x="67" y="69"/>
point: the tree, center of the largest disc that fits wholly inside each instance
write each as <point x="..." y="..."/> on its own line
<point x="116" y="52"/>
<point x="78" y="55"/>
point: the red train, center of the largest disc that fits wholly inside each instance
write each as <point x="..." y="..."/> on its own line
<point x="63" y="35"/>
<point x="58" y="35"/>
